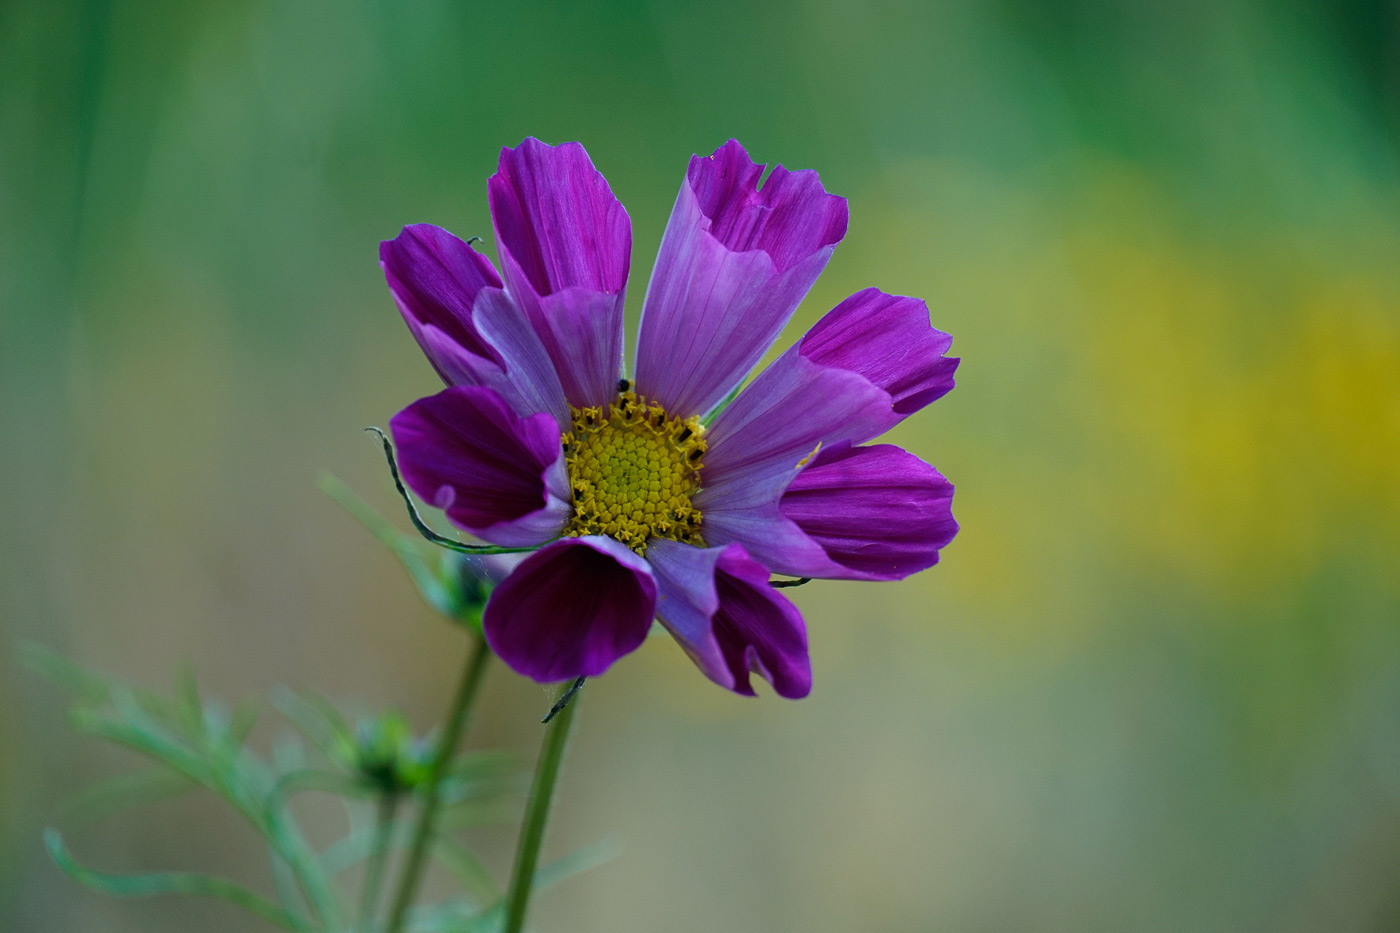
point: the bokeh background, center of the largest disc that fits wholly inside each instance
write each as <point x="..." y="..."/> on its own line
<point x="1154" y="684"/>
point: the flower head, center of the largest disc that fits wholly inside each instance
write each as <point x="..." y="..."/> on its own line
<point x="387" y="756"/>
<point x="649" y="498"/>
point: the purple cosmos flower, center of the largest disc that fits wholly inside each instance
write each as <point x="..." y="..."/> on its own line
<point x="640" y="509"/>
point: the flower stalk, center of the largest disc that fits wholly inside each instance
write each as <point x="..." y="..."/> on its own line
<point x="457" y="719"/>
<point x="527" y="853"/>
<point x="378" y="855"/>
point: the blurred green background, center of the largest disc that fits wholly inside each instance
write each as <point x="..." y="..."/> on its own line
<point x="1154" y="684"/>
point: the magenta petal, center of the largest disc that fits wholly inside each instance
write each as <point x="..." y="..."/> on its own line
<point x="879" y="512"/>
<point x="571" y="609"/>
<point x="888" y="340"/>
<point x="859" y="372"/>
<point x="582" y="332"/>
<point x="718" y="605"/>
<point x="760" y="441"/>
<point x="497" y="475"/>
<point x="789" y="219"/>
<point x="468" y="327"/>
<point x="435" y="278"/>
<point x="565" y="243"/>
<point x="529" y="380"/>
<point x="734" y="263"/>
<point x="558" y="219"/>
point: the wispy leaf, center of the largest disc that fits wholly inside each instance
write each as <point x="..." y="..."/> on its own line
<point x="245" y="717"/>
<point x="561" y="869"/>
<point x="407" y="548"/>
<point x="471" y="874"/>
<point x="78" y="680"/>
<point x="200" y="744"/>
<point x="145" y="885"/>
<point x="189" y="706"/>
<point x="319" y="722"/>
<point x="576" y="863"/>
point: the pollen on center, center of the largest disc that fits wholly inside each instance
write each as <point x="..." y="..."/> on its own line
<point x="632" y="470"/>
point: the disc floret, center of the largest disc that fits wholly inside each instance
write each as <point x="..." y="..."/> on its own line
<point x="632" y="471"/>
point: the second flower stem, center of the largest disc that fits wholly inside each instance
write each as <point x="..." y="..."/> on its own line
<point x="378" y="855"/>
<point x="457" y="720"/>
<point x="527" y="854"/>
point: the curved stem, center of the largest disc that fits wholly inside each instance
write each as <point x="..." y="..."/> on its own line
<point x="378" y="855"/>
<point x="447" y="749"/>
<point x="527" y="854"/>
<point x="417" y="519"/>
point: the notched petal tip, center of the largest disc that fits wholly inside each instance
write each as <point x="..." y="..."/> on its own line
<point x="719" y="606"/>
<point x="737" y="258"/>
<point x="889" y="340"/>
<point x="557" y="219"/>
<point x="879" y="512"/>
<point x="759" y="630"/>
<point x="789" y="215"/>
<point x="534" y="147"/>
<point x="565" y="245"/>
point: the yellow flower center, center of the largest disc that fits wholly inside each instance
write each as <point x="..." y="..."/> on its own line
<point x="633" y="469"/>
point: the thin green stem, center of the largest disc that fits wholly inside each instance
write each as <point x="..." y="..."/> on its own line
<point x="378" y="855"/>
<point x="422" y="526"/>
<point x="527" y="854"/>
<point x="457" y="719"/>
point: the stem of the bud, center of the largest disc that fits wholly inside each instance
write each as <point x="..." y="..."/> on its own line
<point x="457" y="720"/>
<point x="378" y="855"/>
